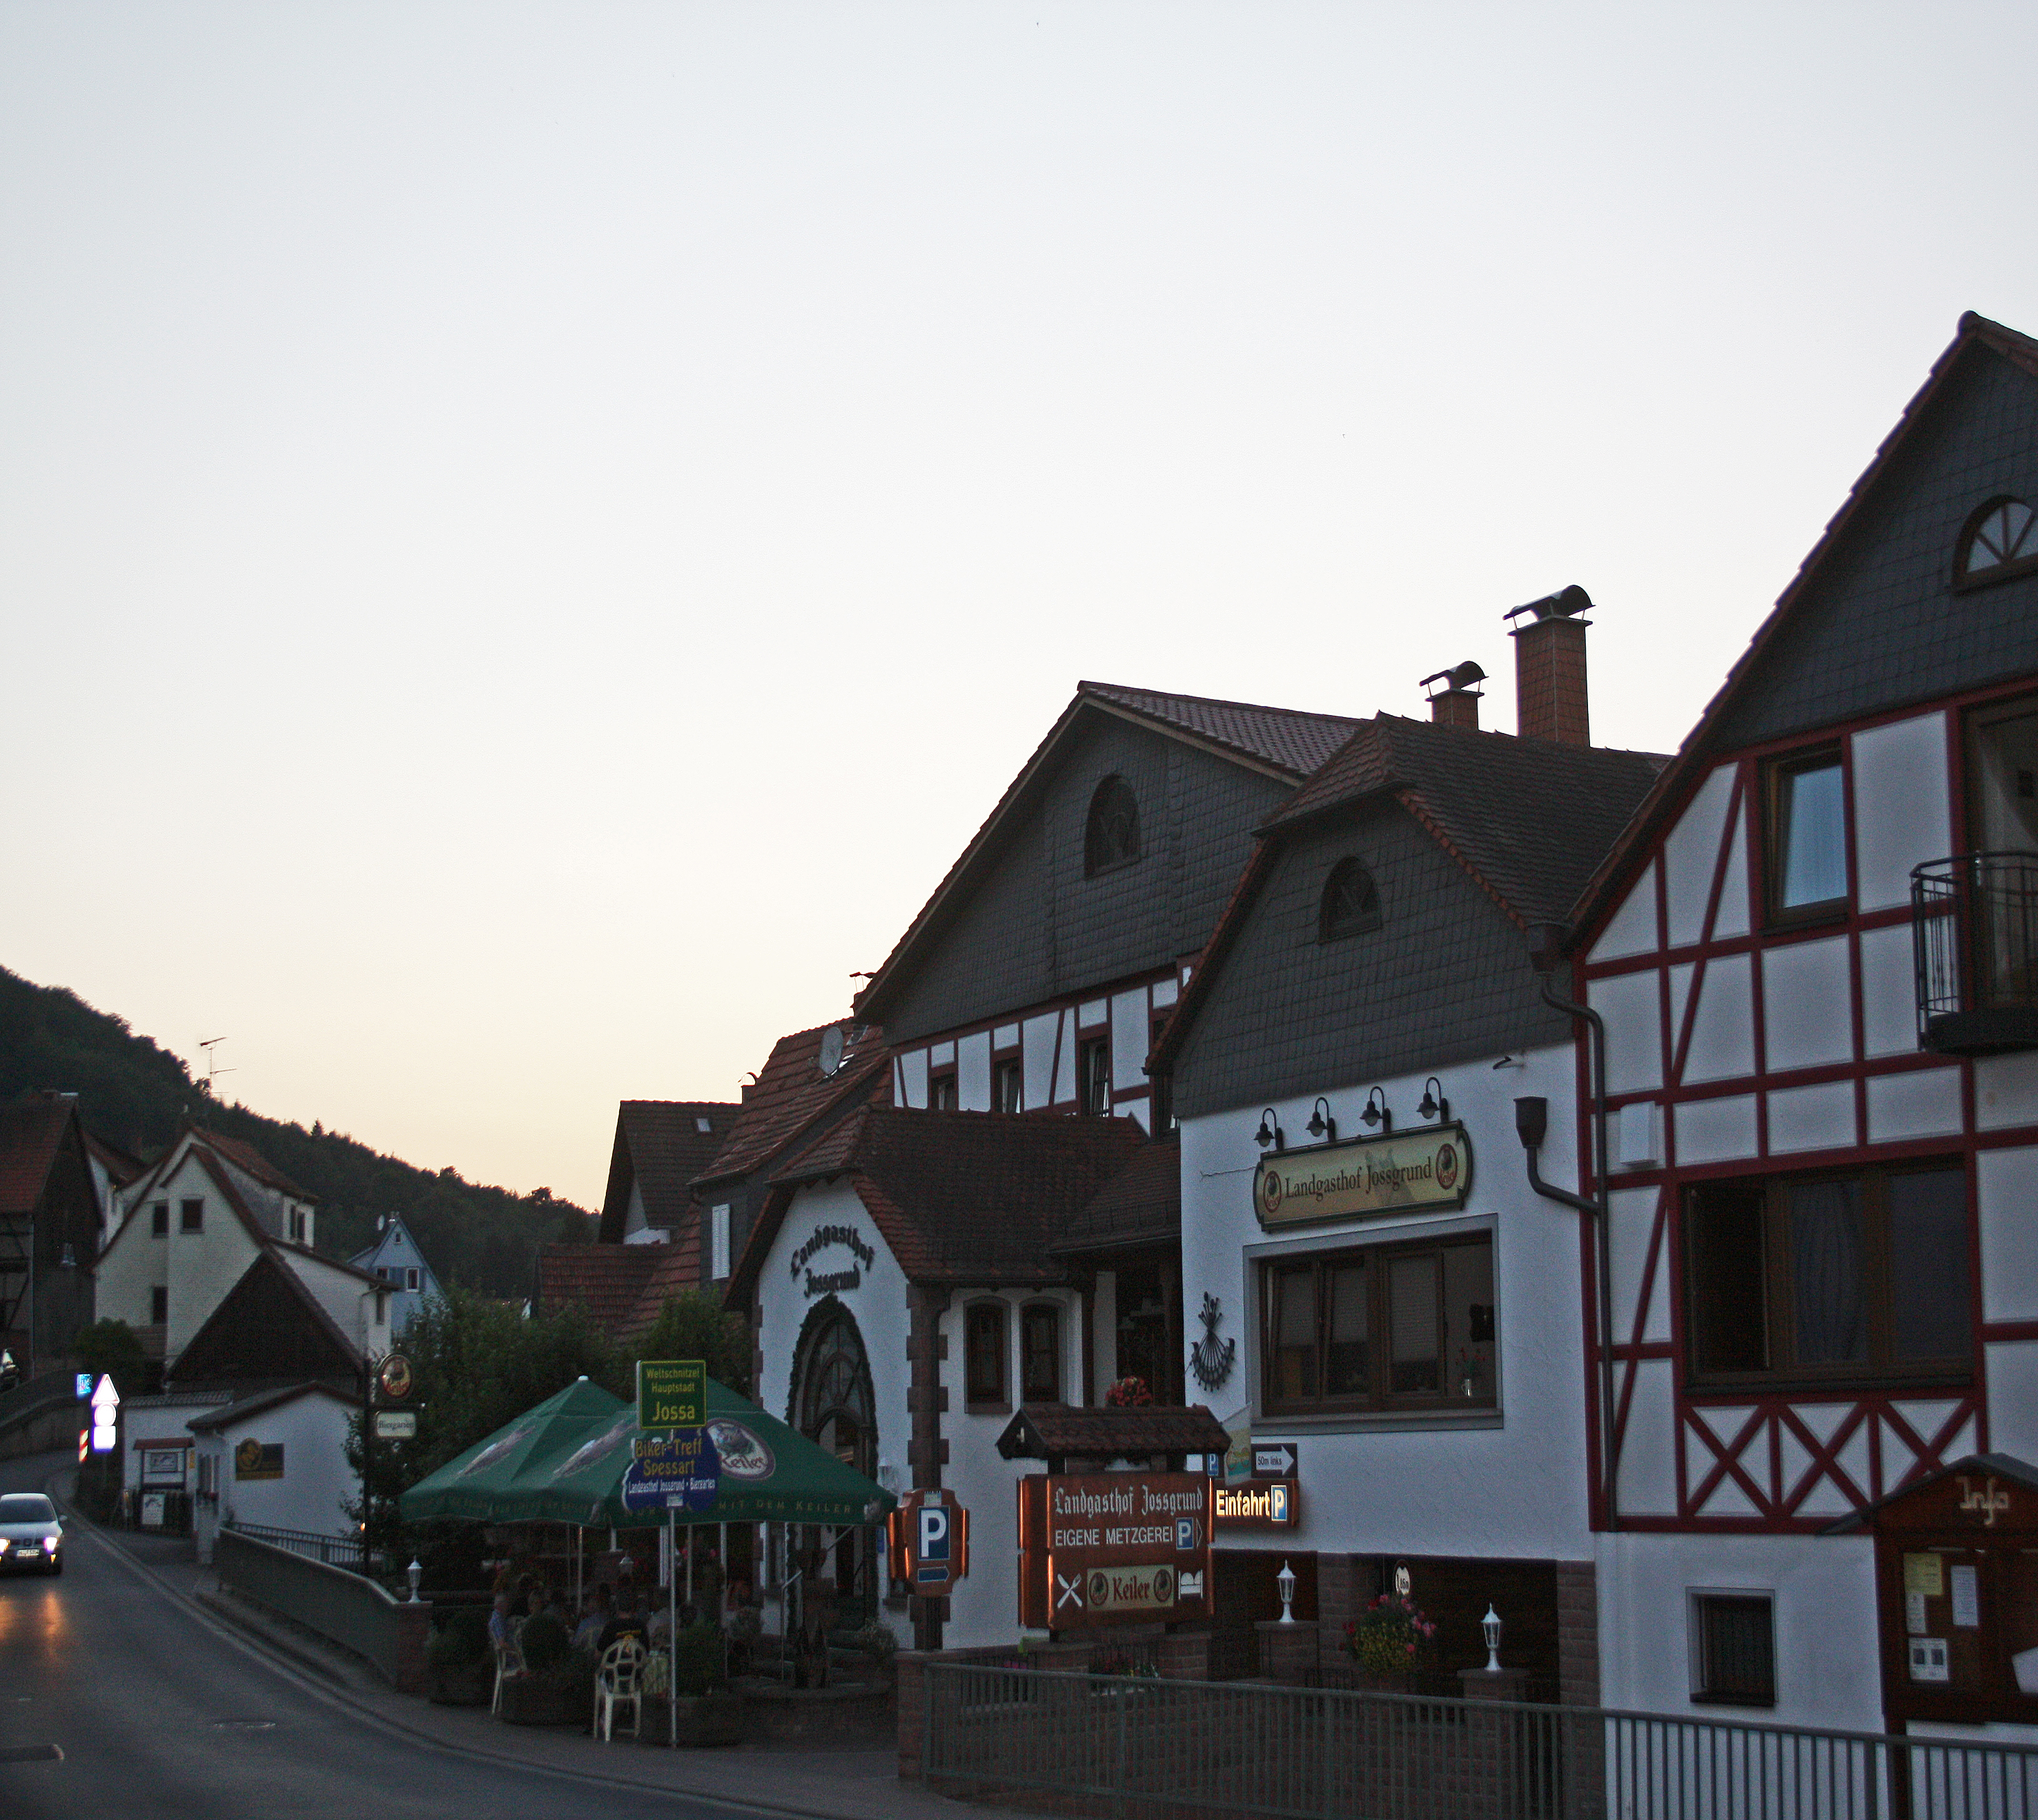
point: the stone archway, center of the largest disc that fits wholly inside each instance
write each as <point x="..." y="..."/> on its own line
<point x="833" y="1404"/>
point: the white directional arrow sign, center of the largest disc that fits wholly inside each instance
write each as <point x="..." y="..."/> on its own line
<point x="1277" y="1462"/>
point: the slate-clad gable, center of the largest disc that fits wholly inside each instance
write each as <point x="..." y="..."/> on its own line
<point x="1037" y="929"/>
<point x="1444" y="977"/>
<point x="1881" y="624"/>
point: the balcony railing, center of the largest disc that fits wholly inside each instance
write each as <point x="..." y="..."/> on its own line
<point x="1974" y="932"/>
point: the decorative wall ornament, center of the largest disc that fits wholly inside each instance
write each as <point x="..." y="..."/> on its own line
<point x="1211" y="1359"/>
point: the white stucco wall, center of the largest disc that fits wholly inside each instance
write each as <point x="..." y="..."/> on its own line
<point x="197" y="1268"/>
<point x="316" y="1479"/>
<point x="1512" y="1482"/>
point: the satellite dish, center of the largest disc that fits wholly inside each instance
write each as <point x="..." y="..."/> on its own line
<point x="830" y="1057"/>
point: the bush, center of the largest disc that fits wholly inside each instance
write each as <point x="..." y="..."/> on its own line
<point x="697" y="1660"/>
<point x="545" y="1644"/>
<point x="462" y="1640"/>
<point x="878" y="1641"/>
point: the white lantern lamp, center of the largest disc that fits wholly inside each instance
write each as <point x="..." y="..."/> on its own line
<point x="1491" y="1626"/>
<point x="1285" y="1580"/>
<point x="416" y="1573"/>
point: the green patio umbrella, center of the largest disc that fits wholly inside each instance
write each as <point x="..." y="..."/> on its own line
<point x="564" y="1462"/>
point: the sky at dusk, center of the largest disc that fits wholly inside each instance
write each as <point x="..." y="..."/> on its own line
<point x="530" y="535"/>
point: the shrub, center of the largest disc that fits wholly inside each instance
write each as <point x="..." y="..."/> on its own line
<point x="462" y="1640"/>
<point x="545" y="1644"/>
<point x="697" y="1660"/>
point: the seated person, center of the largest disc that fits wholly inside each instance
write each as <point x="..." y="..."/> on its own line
<point x="658" y="1630"/>
<point x="502" y="1634"/>
<point x="628" y="1622"/>
<point x="594" y="1619"/>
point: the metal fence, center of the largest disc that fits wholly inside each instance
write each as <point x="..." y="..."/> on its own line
<point x="1150" y="1750"/>
<point x="335" y="1551"/>
<point x="342" y="1606"/>
<point x="1974" y="946"/>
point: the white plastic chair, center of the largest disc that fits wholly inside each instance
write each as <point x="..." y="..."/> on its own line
<point x="617" y="1682"/>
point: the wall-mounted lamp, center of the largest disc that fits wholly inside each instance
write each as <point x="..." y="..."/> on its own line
<point x="416" y="1571"/>
<point x="1285" y="1581"/>
<point x="1491" y="1626"/>
<point x="1434" y="1108"/>
<point x="1377" y="1112"/>
<point x="1322" y="1126"/>
<point x="1270" y="1131"/>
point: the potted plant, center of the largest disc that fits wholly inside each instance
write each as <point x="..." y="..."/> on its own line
<point x="458" y="1668"/>
<point x="1387" y="1641"/>
<point x="687" y="1697"/>
<point x="557" y="1686"/>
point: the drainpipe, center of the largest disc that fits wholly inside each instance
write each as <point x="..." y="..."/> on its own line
<point x="1532" y="1118"/>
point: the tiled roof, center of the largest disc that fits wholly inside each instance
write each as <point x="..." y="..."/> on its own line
<point x="605" y="1280"/>
<point x="963" y="1197"/>
<point x="791" y="1095"/>
<point x="297" y="1332"/>
<point x="1140" y="1205"/>
<point x="118" y="1163"/>
<point x="1597" y="895"/>
<point x="31" y="1133"/>
<point x="1287" y="738"/>
<point x="1290" y="743"/>
<point x="245" y="1156"/>
<point x="1056" y="1432"/>
<point x="676" y="1270"/>
<point x="267" y="1400"/>
<point x="1531" y="817"/>
<point x="661" y="1146"/>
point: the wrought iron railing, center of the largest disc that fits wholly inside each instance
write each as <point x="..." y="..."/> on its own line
<point x="335" y="1551"/>
<point x="1142" y="1749"/>
<point x="1974" y="932"/>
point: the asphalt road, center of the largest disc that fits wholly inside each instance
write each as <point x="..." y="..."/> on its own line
<point x="159" y="1710"/>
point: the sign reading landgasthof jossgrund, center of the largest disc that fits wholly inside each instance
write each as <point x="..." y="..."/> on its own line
<point x="1114" y="1548"/>
<point x="1425" y="1168"/>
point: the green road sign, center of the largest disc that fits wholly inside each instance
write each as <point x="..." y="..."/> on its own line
<point x="672" y="1393"/>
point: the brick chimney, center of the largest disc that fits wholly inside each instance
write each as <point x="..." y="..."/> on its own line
<point x="1456" y="703"/>
<point x="1550" y="668"/>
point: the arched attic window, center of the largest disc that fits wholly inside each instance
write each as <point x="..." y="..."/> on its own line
<point x="1112" y="837"/>
<point x="2002" y="536"/>
<point x="1351" y="904"/>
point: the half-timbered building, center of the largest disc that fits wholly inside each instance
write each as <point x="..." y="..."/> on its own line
<point x="1815" y="960"/>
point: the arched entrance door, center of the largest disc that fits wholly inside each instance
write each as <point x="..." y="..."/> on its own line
<point x="833" y="1406"/>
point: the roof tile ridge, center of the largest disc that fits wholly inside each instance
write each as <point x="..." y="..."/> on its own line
<point x="1413" y="801"/>
<point x="1220" y="701"/>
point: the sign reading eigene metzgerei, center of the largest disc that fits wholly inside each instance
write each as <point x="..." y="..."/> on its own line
<point x="1424" y="1168"/>
<point x="1113" y="1548"/>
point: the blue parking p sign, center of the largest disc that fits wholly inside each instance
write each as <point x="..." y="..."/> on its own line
<point x="931" y="1550"/>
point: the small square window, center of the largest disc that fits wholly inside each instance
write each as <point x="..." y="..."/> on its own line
<point x="411" y="1277"/>
<point x="941" y="1092"/>
<point x="1733" y="1648"/>
<point x="1807" y="846"/>
<point x="159" y="1306"/>
<point x="159" y="1219"/>
<point x="1093" y="1077"/>
<point x="1008" y="1086"/>
<point x="191" y="1216"/>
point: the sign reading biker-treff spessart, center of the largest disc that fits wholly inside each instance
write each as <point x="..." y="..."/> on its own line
<point x="1113" y="1548"/>
<point x="1424" y="1168"/>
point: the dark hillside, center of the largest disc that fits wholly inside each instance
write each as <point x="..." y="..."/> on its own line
<point x="134" y="1093"/>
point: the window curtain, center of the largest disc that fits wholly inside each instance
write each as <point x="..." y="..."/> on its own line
<point x="1815" y="853"/>
<point x="1831" y="1311"/>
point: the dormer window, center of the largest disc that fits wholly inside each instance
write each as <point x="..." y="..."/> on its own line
<point x="1112" y="837"/>
<point x="2002" y="538"/>
<point x="1350" y="903"/>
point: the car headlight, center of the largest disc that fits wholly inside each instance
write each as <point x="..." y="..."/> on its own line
<point x="5" y="1544"/>
<point x="50" y="1544"/>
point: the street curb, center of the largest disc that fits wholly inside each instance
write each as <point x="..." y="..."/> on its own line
<point x="320" y="1657"/>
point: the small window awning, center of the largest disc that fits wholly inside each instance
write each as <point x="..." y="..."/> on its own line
<point x="1055" y="1432"/>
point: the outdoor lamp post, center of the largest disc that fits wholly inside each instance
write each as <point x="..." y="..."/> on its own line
<point x="1285" y="1580"/>
<point x="1491" y="1626"/>
<point x="416" y="1573"/>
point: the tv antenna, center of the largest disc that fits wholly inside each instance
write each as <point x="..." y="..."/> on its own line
<point x="212" y="1068"/>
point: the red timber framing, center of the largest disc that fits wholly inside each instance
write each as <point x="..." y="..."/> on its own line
<point x="1751" y="1459"/>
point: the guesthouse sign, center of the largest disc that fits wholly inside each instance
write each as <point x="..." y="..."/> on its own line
<point x="1368" y="1177"/>
<point x="833" y="1281"/>
<point x="1114" y="1548"/>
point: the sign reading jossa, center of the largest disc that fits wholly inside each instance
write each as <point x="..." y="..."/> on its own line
<point x="672" y="1393"/>
<point x="1424" y="1168"/>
